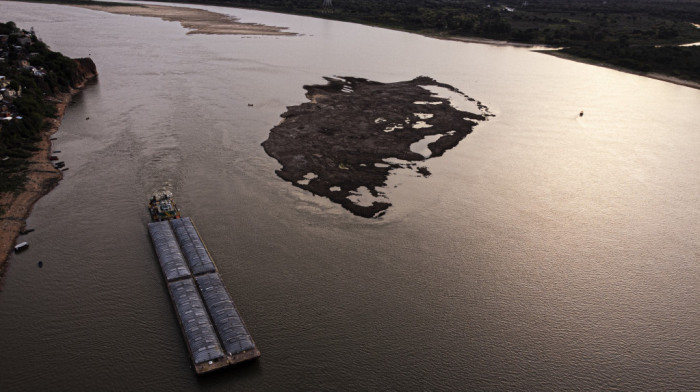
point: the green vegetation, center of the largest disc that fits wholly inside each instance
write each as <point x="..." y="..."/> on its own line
<point x="635" y="34"/>
<point x="18" y="136"/>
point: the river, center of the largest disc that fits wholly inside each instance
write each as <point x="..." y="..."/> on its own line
<point x="547" y="251"/>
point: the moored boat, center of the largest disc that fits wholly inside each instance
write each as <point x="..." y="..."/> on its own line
<point x="21" y="246"/>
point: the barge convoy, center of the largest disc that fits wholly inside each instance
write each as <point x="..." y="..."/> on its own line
<point x="213" y="330"/>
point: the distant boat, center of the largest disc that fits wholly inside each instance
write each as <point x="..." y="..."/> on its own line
<point x="581" y="114"/>
<point x="21" y="246"/>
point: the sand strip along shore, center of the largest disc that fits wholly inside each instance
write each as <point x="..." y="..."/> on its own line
<point x="198" y="21"/>
<point x="42" y="177"/>
<point x="664" y="78"/>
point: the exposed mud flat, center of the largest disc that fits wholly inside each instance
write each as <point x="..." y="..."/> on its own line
<point x="344" y="142"/>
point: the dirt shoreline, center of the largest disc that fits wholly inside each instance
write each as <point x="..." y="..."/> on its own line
<point x="42" y="177"/>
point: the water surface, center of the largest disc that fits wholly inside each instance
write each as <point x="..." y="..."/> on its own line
<point x="547" y="251"/>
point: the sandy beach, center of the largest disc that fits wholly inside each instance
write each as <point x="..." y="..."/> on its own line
<point x="198" y="21"/>
<point x="477" y="40"/>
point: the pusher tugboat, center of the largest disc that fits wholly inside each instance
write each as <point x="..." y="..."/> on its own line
<point x="162" y="207"/>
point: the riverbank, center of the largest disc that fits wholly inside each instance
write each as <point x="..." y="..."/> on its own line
<point x="558" y="53"/>
<point x="657" y="76"/>
<point x="477" y="40"/>
<point x="41" y="175"/>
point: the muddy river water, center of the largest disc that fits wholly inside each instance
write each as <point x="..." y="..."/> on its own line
<point x="547" y="251"/>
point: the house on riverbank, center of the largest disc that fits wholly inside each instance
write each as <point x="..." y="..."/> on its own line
<point x="14" y="60"/>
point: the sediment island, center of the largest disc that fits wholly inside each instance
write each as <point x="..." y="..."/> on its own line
<point x="197" y="21"/>
<point x="36" y="85"/>
<point x="343" y="144"/>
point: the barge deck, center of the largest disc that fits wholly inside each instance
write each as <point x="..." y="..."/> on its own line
<point x="214" y="332"/>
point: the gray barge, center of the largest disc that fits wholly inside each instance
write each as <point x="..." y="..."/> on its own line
<point x="214" y="332"/>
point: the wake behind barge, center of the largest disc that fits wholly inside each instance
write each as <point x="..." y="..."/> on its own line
<point x="214" y="332"/>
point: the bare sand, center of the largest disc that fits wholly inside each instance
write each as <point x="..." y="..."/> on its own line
<point x="477" y="40"/>
<point x="198" y="21"/>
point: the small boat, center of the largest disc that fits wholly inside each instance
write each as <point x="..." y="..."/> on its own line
<point x="581" y="114"/>
<point x="57" y="152"/>
<point x="23" y="232"/>
<point x="162" y="207"/>
<point x="40" y="264"/>
<point x="53" y="158"/>
<point x="250" y="104"/>
<point x="64" y="169"/>
<point x="21" y="246"/>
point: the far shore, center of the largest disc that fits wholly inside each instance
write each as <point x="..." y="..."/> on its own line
<point x="558" y="53"/>
<point x="665" y="78"/>
<point x="200" y="21"/>
<point x="42" y="177"/>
